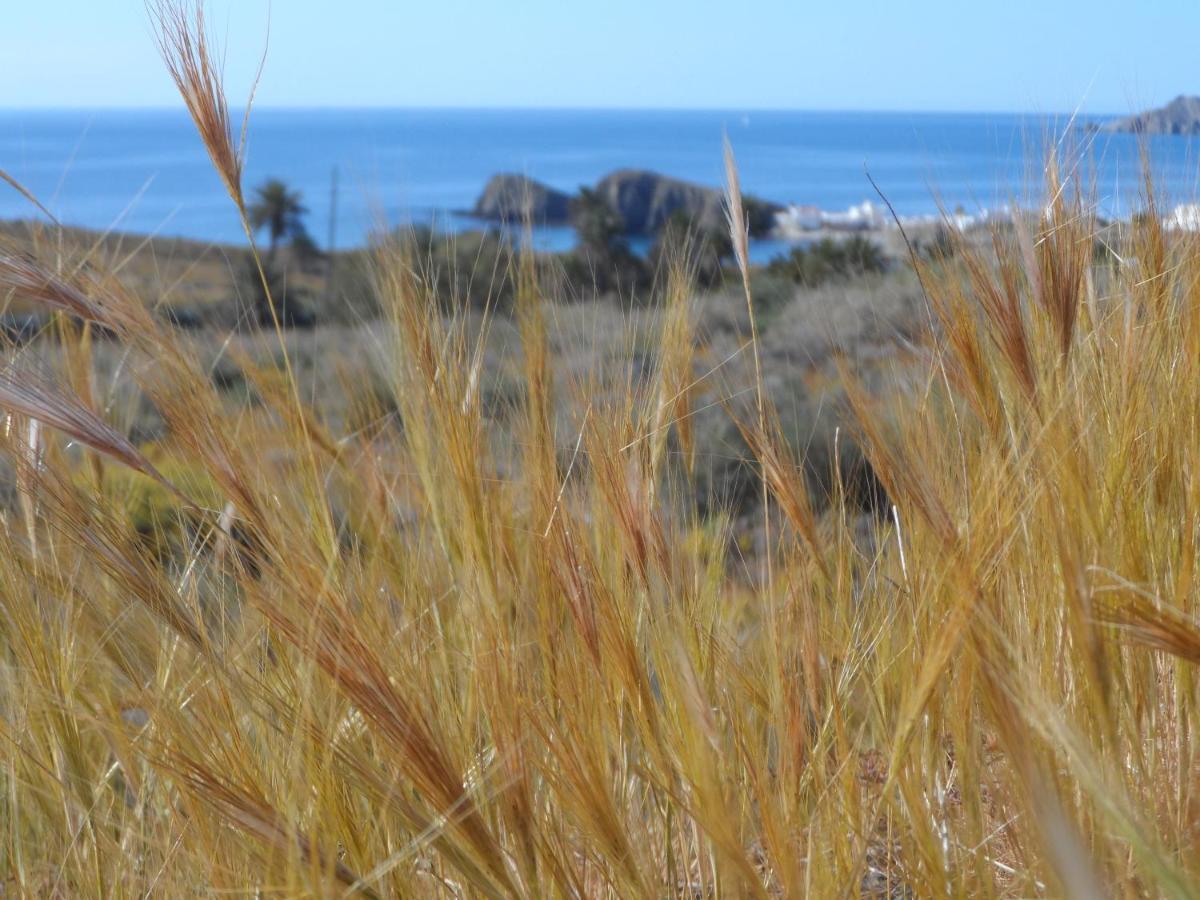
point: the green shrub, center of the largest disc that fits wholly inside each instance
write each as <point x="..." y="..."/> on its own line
<point x="771" y="291"/>
<point x="602" y="261"/>
<point x="708" y="250"/>
<point x="164" y="524"/>
<point x="828" y="260"/>
<point x="470" y="269"/>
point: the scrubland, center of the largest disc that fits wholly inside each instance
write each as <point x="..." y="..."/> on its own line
<point x="886" y="589"/>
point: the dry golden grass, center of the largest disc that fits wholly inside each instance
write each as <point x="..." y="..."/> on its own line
<point x="382" y="665"/>
<point x="189" y="278"/>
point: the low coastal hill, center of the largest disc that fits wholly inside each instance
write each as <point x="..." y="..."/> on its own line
<point x="189" y="281"/>
<point x="1180" y="116"/>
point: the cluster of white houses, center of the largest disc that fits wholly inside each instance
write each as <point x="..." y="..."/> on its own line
<point x="798" y="221"/>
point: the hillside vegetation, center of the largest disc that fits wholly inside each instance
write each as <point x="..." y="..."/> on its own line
<point x="469" y="623"/>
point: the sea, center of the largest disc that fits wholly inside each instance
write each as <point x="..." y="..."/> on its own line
<point x="362" y="170"/>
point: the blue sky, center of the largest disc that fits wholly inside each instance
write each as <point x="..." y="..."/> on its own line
<point x="1017" y="55"/>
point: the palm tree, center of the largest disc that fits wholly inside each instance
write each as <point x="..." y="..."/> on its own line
<point x="279" y="210"/>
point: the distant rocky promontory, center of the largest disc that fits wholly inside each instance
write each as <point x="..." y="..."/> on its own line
<point x="643" y="201"/>
<point x="1180" y="116"/>
<point x="510" y="198"/>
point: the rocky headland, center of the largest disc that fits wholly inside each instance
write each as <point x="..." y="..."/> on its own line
<point x="1180" y="116"/>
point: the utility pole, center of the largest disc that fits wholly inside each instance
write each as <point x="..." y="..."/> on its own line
<point x="331" y="244"/>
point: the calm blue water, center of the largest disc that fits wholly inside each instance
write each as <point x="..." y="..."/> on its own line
<point x="146" y="171"/>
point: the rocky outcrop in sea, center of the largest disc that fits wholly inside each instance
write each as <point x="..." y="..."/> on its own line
<point x="646" y="200"/>
<point x="643" y="201"/>
<point x="512" y="198"/>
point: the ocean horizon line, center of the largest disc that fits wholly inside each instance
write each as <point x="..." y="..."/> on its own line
<point x="556" y="108"/>
<point x="145" y="168"/>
